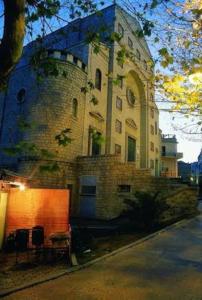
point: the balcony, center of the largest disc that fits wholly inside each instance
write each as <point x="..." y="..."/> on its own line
<point x="177" y="155"/>
<point x="168" y="136"/>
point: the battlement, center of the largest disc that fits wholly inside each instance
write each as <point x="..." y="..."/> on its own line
<point x="66" y="56"/>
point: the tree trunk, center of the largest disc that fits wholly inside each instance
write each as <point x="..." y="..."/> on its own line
<point x="13" y="36"/>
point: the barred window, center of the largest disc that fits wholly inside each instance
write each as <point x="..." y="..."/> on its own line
<point x="152" y="129"/>
<point x="119" y="103"/>
<point x="123" y="188"/>
<point x="98" y="79"/>
<point x="120" y="81"/>
<point x="152" y="146"/>
<point x="74" y="107"/>
<point x="152" y="112"/>
<point x="118" y="126"/>
<point x="21" y="96"/>
<point x="88" y="190"/>
<point x="117" y="149"/>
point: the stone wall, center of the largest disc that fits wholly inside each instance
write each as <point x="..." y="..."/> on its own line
<point x="47" y="107"/>
<point x="111" y="173"/>
<point x="111" y="176"/>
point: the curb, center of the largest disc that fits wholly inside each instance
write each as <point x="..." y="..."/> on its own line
<point x="94" y="261"/>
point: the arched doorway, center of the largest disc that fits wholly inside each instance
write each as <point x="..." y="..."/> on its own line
<point x="138" y="111"/>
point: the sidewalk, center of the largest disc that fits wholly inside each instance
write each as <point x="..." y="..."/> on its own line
<point x="168" y="266"/>
<point x="14" y="275"/>
<point x="31" y="270"/>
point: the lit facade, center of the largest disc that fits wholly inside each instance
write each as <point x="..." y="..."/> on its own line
<point x="125" y="116"/>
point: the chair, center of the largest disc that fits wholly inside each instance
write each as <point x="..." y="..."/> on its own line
<point x="61" y="244"/>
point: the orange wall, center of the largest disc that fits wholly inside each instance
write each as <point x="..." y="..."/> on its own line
<point x="48" y="208"/>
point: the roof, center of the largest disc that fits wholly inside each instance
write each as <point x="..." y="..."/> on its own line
<point x="61" y="38"/>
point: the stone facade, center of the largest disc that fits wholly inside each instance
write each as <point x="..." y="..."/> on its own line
<point x="125" y="116"/>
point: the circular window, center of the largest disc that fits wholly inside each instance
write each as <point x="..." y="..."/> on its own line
<point x="21" y="96"/>
<point x="130" y="97"/>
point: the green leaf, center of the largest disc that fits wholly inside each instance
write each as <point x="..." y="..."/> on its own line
<point x="163" y="51"/>
<point x="23" y="125"/>
<point x="62" y="138"/>
<point x="96" y="48"/>
<point x="164" y="63"/>
<point x="46" y="154"/>
<point x="51" y="167"/>
<point x="154" y="4"/>
<point x="94" y="100"/>
<point x="139" y="33"/>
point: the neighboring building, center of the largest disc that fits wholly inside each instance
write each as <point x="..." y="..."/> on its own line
<point x="169" y="156"/>
<point x="191" y="172"/>
<point x="126" y="116"/>
<point x="196" y="171"/>
<point x="200" y="169"/>
<point x="184" y="171"/>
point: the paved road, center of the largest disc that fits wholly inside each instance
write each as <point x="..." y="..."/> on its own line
<point x="168" y="266"/>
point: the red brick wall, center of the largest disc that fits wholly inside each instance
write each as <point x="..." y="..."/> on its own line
<point x="45" y="207"/>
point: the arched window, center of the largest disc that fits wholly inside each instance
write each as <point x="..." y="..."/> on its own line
<point x="21" y="96"/>
<point x="75" y="108"/>
<point x="98" y="79"/>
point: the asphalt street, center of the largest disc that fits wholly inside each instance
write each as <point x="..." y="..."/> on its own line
<point x="167" y="266"/>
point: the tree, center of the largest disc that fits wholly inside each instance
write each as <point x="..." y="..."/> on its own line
<point x="174" y="32"/>
<point x="19" y="17"/>
<point x="13" y="37"/>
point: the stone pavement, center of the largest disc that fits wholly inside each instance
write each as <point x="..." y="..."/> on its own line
<point x="165" y="267"/>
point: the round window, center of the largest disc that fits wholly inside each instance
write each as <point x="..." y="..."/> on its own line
<point x="130" y="97"/>
<point x="21" y="96"/>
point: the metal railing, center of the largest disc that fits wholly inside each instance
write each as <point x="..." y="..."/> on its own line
<point x="178" y="155"/>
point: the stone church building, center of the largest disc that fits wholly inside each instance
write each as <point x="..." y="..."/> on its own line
<point x="99" y="174"/>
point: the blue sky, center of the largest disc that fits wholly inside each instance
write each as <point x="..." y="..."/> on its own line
<point x="190" y="148"/>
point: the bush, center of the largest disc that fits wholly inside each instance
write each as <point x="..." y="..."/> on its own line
<point x="145" y="210"/>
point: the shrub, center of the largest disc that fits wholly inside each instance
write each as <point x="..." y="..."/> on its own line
<point x="145" y="209"/>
